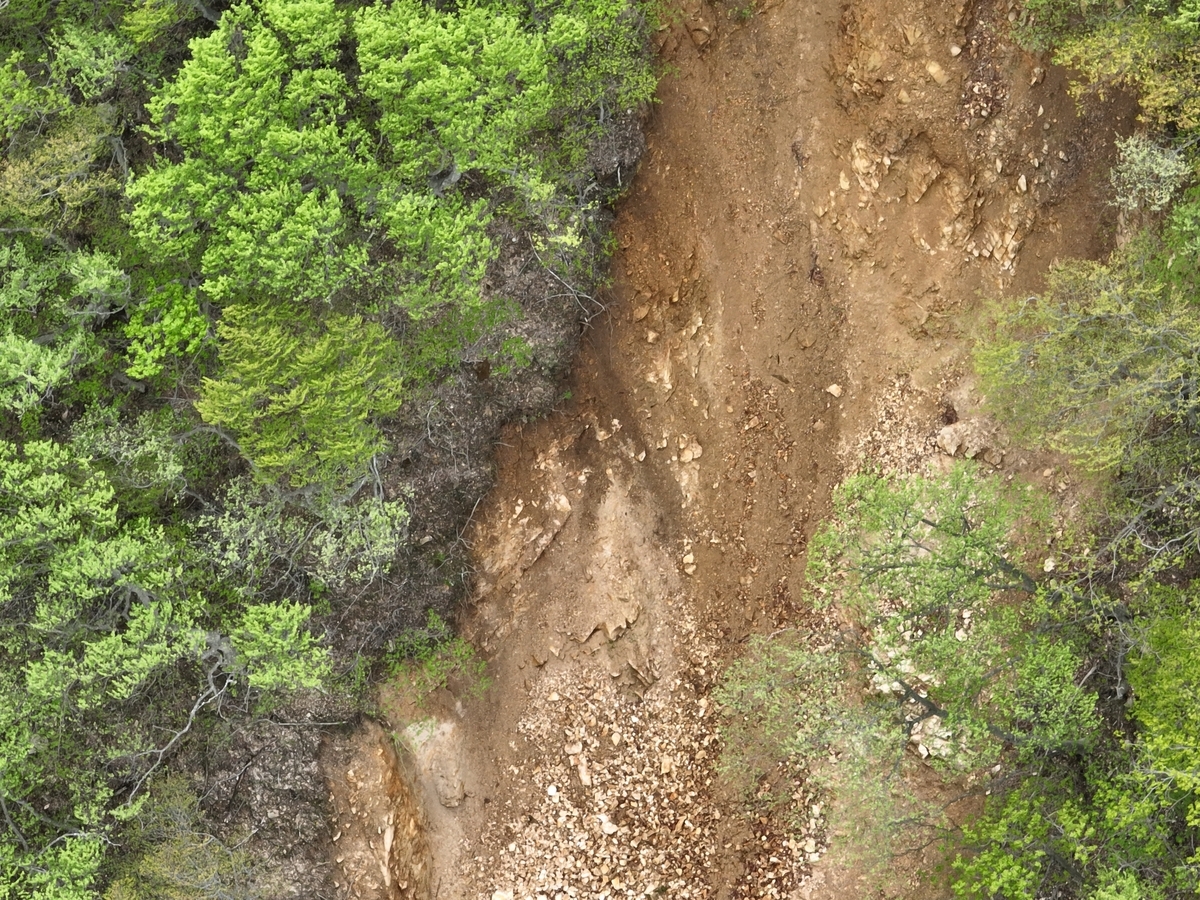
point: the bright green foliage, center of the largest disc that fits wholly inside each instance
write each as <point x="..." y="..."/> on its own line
<point x="458" y="91"/>
<point x="1107" y="835"/>
<point x="311" y="233"/>
<point x="274" y="645"/>
<point x="920" y="541"/>
<point x="257" y="204"/>
<point x="166" y="324"/>
<point x="1157" y="56"/>
<point x="1104" y="364"/>
<point x="928" y="563"/>
<point x="22" y="100"/>
<point x="145" y="21"/>
<point x="88" y="60"/>
<point x="600" y="63"/>
<point x="1165" y="674"/>
<point x="95" y="609"/>
<point x="300" y="398"/>
<point x="449" y="236"/>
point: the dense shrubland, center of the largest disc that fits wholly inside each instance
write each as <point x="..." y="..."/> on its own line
<point x="246" y="251"/>
<point x="1053" y="657"/>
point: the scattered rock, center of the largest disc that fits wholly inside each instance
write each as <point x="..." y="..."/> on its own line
<point x="972" y="438"/>
<point x="640" y="313"/>
<point x="701" y="33"/>
<point x="936" y="72"/>
<point x="955" y="50"/>
<point x="834" y="389"/>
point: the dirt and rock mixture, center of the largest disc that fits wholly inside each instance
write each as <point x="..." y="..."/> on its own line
<point x="828" y="193"/>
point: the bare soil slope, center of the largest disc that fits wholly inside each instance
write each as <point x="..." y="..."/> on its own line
<point x="827" y="192"/>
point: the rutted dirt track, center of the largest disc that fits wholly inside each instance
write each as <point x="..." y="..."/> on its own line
<point x="826" y="193"/>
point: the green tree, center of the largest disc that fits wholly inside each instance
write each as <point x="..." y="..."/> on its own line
<point x="300" y="396"/>
<point x="96" y="610"/>
<point x="52" y="306"/>
<point x="958" y="628"/>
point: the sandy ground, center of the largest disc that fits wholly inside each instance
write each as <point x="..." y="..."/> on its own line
<point x="828" y="196"/>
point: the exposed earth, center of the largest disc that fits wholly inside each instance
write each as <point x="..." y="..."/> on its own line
<point x="828" y="196"/>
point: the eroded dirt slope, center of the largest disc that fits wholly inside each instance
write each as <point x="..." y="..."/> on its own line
<point x="827" y="193"/>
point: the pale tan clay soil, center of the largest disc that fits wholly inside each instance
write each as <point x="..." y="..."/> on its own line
<point x="829" y="194"/>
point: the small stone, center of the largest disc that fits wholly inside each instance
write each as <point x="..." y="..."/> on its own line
<point x="999" y="167"/>
<point x="701" y="35"/>
<point x="844" y="181"/>
<point x="502" y="895"/>
<point x="834" y="389"/>
<point x="616" y="739"/>
<point x="665" y="765"/>
<point x="1022" y="185"/>
<point x="955" y="49"/>
<point x="552" y="790"/>
<point x="936" y="72"/>
<point x="902" y="97"/>
<point x="1041" y="111"/>
<point x="1049" y="565"/>
<point x="640" y="313"/>
<point x="554" y="698"/>
<point x="651" y="336"/>
<point x="688" y="559"/>
<point x="573" y="749"/>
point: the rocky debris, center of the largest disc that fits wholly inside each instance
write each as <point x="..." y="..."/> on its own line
<point x="931" y="738"/>
<point x="901" y="436"/>
<point x="689" y="448"/>
<point x="621" y="800"/>
<point x="380" y="850"/>
<point x="974" y="437"/>
<point x="1001" y="239"/>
